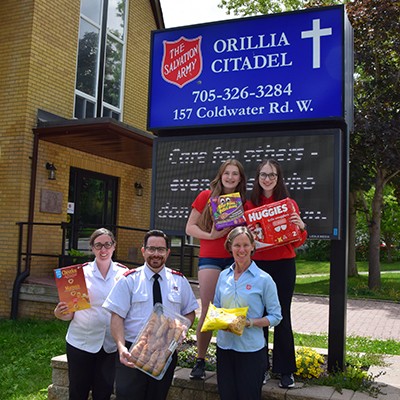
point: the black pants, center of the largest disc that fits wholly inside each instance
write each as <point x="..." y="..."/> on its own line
<point x="90" y="371"/>
<point x="283" y="272"/>
<point x="240" y="375"/>
<point x="133" y="384"/>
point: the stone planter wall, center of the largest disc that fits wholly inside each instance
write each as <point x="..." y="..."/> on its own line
<point x="185" y="389"/>
<point x="182" y="387"/>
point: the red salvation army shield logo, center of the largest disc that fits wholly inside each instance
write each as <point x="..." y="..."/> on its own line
<point x="182" y="61"/>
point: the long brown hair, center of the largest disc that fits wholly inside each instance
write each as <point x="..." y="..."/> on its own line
<point x="280" y="191"/>
<point x="216" y="188"/>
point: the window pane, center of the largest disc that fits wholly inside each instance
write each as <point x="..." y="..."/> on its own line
<point x="116" y="17"/>
<point x="92" y="201"/>
<point x="91" y="9"/>
<point x="107" y="112"/>
<point x="112" y="77"/>
<point x="87" y="58"/>
<point x="84" y="108"/>
<point x="90" y="109"/>
<point x="116" y="116"/>
<point x="79" y="107"/>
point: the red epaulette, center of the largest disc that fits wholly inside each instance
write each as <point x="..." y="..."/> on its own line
<point x="121" y="265"/>
<point x="76" y="265"/>
<point x="131" y="271"/>
<point x="175" y="272"/>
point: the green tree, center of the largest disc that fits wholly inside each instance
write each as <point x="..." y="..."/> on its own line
<point x="390" y="234"/>
<point x="375" y="142"/>
<point x="261" y="7"/>
<point x="390" y="223"/>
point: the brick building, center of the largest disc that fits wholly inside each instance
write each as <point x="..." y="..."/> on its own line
<point x="73" y="144"/>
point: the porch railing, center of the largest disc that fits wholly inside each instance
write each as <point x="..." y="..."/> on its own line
<point x="183" y="255"/>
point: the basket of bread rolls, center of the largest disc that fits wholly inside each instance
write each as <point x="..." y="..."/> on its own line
<point x="153" y="348"/>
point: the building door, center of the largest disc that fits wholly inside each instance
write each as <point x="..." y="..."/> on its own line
<point x="92" y="202"/>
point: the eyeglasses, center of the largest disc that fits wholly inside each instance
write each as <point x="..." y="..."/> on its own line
<point x="107" y="245"/>
<point x="159" y="250"/>
<point x="271" y="176"/>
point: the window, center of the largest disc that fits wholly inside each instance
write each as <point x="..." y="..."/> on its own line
<point x="101" y="52"/>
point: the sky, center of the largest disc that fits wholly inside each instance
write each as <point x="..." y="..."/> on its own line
<point x="188" y="12"/>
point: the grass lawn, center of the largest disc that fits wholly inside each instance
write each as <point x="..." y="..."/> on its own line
<point x="322" y="267"/>
<point x="26" y="348"/>
<point x="357" y="287"/>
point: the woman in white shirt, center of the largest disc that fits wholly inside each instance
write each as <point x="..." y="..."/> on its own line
<point x="90" y="347"/>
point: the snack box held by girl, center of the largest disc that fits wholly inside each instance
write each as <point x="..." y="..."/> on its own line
<point x="227" y="210"/>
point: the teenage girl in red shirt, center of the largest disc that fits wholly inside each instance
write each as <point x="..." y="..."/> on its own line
<point x="279" y="262"/>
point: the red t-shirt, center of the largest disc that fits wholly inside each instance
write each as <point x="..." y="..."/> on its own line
<point x="281" y="252"/>
<point x="209" y="248"/>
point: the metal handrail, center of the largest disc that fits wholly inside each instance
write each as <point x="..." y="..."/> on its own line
<point x="23" y="273"/>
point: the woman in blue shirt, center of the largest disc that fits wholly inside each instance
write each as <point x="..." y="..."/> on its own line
<point x="242" y="360"/>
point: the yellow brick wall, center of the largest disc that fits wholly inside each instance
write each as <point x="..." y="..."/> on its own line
<point x="38" y="49"/>
<point x="141" y="23"/>
<point x="133" y="211"/>
<point x="15" y="141"/>
<point x="53" y="56"/>
<point x="36" y="310"/>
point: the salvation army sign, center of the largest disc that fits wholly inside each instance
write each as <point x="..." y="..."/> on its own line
<point x="182" y="61"/>
<point x="281" y="67"/>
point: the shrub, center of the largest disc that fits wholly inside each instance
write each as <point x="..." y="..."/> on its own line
<point x="315" y="250"/>
<point x="352" y="378"/>
<point x="187" y="354"/>
<point x="309" y="363"/>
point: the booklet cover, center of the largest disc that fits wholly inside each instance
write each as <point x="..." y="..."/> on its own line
<point x="71" y="286"/>
<point x="271" y="226"/>
<point x="227" y="210"/>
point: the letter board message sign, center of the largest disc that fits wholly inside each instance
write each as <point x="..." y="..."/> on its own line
<point x="273" y="68"/>
<point x="184" y="166"/>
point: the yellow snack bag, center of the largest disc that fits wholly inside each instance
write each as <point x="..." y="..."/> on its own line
<point x="230" y="319"/>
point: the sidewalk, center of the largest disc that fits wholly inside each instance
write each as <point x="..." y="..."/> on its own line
<point x="365" y="318"/>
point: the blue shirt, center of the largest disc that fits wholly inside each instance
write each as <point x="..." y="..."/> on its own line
<point x="254" y="289"/>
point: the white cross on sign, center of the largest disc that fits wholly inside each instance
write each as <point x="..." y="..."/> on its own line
<point x="316" y="34"/>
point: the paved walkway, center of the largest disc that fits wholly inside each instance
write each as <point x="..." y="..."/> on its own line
<point x="365" y="318"/>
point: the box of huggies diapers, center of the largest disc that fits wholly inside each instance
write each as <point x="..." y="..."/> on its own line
<point x="271" y="226"/>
